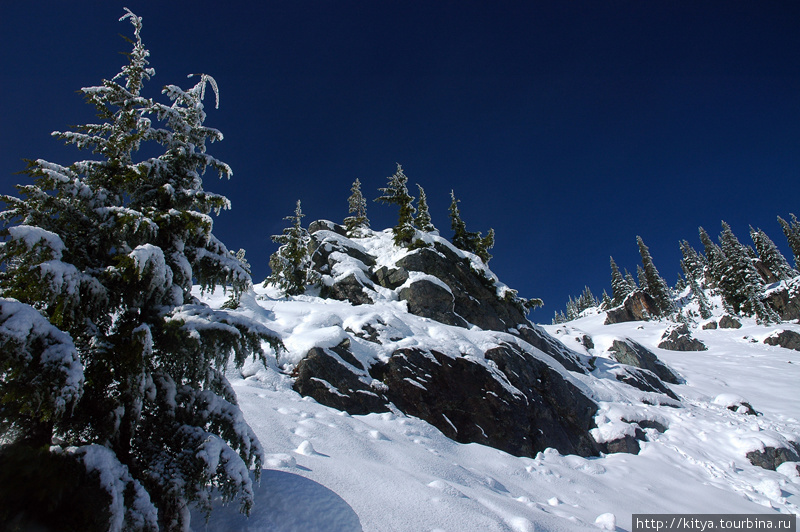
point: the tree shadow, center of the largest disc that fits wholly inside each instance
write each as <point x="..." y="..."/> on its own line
<point x="284" y="502"/>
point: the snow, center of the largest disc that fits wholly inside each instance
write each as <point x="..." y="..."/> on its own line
<point x="327" y="470"/>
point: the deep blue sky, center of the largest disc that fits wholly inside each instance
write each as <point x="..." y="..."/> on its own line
<point x="569" y="127"/>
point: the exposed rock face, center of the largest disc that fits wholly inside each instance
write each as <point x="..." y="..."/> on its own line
<point x="729" y="322"/>
<point x="635" y="354"/>
<point x="512" y="397"/>
<point x="787" y="339"/>
<point x="680" y="339"/>
<point x="771" y="457"/>
<point x="474" y="299"/>
<point x="327" y="378"/>
<point x="786" y="300"/>
<point x="522" y="409"/>
<point x="430" y="299"/>
<point x="638" y="306"/>
<point x="711" y="325"/>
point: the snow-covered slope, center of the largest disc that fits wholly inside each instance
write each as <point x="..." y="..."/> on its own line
<point x="329" y="471"/>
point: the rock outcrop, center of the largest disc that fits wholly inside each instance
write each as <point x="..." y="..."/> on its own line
<point x="785" y="299"/>
<point x="786" y="338"/>
<point x="635" y="354"/>
<point x="638" y="306"/>
<point x="680" y="339"/>
<point x="516" y="395"/>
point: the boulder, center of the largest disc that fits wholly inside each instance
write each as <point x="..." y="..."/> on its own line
<point x="326" y="225"/>
<point x="680" y="339"/>
<point x="351" y="289"/>
<point x="644" y="380"/>
<point x="785" y="300"/>
<point x="430" y="299"/>
<point x="475" y="298"/>
<point x="324" y="375"/>
<point x="635" y="354"/>
<point x="771" y="457"/>
<point x="711" y="325"/>
<point x="391" y="278"/>
<point x="638" y="306"/>
<point x="729" y="322"/>
<point x="788" y="339"/>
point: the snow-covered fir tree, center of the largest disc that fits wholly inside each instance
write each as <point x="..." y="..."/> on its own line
<point x="291" y="266"/>
<point x="770" y="257"/>
<point x="792" y="233"/>
<point x="740" y="284"/>
<point x="656" y="285"/>
<point x="357" y="208"/>
<point x="642" y="277"/>
<point x="693" y="267"/>
<point x="423" y="219"/>
<point x="474" y="242"/>
<point x="714" y="260"/>
<point x="620" y="288"/>
<point x="396" y="193"/>
<point x="131" y="387"/>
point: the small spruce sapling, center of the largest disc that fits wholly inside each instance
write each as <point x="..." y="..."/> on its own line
<point x="292" y="270"/>
<point x="396" y="193"/>
<point x="357" y="207"/>
<point x="423" y="219"/>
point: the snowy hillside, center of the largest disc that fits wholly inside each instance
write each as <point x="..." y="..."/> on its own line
<point x="328" y="470"/>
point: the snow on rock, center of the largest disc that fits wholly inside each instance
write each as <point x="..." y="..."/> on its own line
<point x="388" y="471"/>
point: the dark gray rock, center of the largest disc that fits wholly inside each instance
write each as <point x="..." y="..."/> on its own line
<point x="729" y="322"/>
<point x="627" y="444"/>
<point x="638" y="306"/>
<point x="788" y="339"/>
<point x="711" y="325"/>
<point x="348" y="289"/>
<point x="325" y="242"/>
<point x="475" y="298"/>
<point x="644" y="380"/>
<point x="635" y="354"/>
<point x="391" y="278"/>
<point x="680" y="339"/>
<point x="771" y="457"/>
<point x="324" y="375"/>
<point x="786" y="302"/>
<point x="538" y="338"/>
<point x="431" y="300"/>
<point x="326" y="225"/>
<point x="469" y="403"/>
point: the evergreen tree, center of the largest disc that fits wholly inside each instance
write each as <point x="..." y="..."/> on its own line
<point x="607" y="303"/>
<point x="131" y="383"/>
<point x="740" y="283"/>
<point x="468" y="240"/>
<point x="692" y="266"/>
<point x="642" y="278"/>
<point x="291" y="265"/>
<point x="559" y="318"/>
<point x="423" y="219"/>
<point x="715" y="260"/>
<point x="620" y="288"/>
<point x="631" y="281"/>
<point x="357" y="207"/>
<point x="691" y="263"/>
<point x="772" y="259"/>
<point x="656" y="286"/>
<point x="792" y="232"/>
<point x="396" y="193"/>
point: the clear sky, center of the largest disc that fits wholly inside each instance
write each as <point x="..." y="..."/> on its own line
<point x="569" y="127"/>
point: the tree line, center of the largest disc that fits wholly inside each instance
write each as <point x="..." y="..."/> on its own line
<point x="738" y="273"/>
